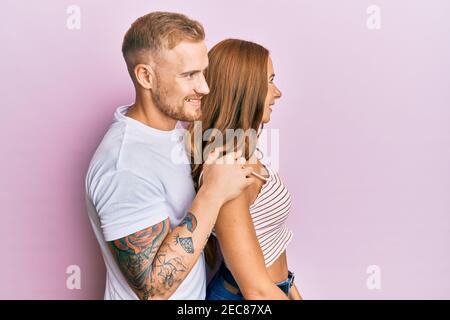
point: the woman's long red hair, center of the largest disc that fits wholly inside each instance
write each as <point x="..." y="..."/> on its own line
<point x="237" y="77"/>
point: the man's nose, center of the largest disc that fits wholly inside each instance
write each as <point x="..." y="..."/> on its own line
<point x="202" y="86"/>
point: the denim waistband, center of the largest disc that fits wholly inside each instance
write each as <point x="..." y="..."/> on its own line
<point x="284" y="285"/>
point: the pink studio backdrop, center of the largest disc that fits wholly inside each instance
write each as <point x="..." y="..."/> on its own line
<point x="364" y="130"/>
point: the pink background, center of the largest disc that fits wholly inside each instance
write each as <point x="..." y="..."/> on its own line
<point x="364" y="129"/>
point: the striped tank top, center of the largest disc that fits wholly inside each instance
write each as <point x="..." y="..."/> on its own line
<point x="269" y="213"/>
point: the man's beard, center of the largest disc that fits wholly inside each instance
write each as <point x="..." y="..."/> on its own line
<point x="177" y="112"/>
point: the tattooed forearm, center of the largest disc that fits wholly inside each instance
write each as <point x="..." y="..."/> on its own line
<point x="190" y="221"/>
<point x="186" y="243"/>
<point x="135" y="253"/>
<point x="168" y="269"/>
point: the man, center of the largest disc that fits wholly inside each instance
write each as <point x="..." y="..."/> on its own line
<point x="150" y="225"/>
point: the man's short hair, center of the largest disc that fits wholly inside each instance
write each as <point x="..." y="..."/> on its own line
<point x="155" y="31"/>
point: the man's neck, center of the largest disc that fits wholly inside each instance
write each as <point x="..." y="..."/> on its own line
<point x="148" y="114"/>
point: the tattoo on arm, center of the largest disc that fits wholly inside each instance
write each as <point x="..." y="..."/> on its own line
<point x="135" y="254"/>
<point x="186" y="243"/>
<point x="167" y="269"/>
<point x="190" y="221"/>
<point x="150" y="265"/>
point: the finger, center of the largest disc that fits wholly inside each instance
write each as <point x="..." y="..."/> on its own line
<point x="241" y="160"/>
<point x="247" y="171"/>
<point x="212" y="156"/>
<point x="230" y="158"/>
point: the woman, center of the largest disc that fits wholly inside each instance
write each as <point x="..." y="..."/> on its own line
<point x="250" y="229"/>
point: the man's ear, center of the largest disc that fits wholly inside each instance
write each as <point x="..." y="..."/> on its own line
<point x="144" y="75"/>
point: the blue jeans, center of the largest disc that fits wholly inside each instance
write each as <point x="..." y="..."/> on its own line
<point x="216" y="289"/>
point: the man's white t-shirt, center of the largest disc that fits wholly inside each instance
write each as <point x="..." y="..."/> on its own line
<point x="138" y="177"/>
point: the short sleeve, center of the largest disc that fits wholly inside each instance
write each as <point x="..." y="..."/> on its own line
<point x="127" y="203"/>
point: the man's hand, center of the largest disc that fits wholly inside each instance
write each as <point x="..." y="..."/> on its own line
<point x="226" y="177"/>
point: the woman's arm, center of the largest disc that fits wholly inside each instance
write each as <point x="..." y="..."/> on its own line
<point x="242" y="253"/>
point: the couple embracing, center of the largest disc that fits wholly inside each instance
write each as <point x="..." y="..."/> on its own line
<point x="160" y="223"/>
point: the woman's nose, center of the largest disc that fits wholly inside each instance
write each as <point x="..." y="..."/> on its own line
<point x="278" y="93"/>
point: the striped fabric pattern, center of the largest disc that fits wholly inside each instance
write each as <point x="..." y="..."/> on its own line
<point x="269" y="213"/>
